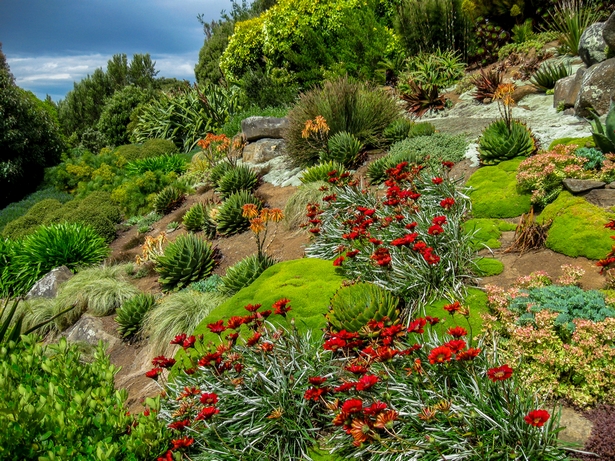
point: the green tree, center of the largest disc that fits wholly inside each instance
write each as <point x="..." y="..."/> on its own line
<point x="115" y="115"/>
<point x="29" y="140"/>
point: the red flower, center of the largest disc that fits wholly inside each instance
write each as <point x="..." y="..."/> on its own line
<point x="382" y="257"/>
<point x="207" y="413"/>
<point x="432" y="320"/>
<point x="456" y="345"/>
<point x="448" y="165"/>
<point x="537" y="418"/>
<point x="329" y="198"/>
<point x="253" y="339"/>
<point x="252" y="307"/>
<point x="375" y="408"/>
<point x="352" y="406"/>
<point x="209" y="398"/>
<point x="206" y="360"/>
<point x="280" y="308"/>
<point x="439" y="220"/>
<point x="334" y="344"/>
<point x="179" y="339"/>
<point x="436" y="180"/>
<point x="500" y="373"/>
<point x="217" y="327"/>
<point x="470" y="354"/>
<point x="345" y="387"/>
<point x="417" y="326"/>
<point x="168" y="456"/>
<point x="405" y="240"/>
<point x="184" y="442"/>
<point x="457" y="332"/>
<point x="375" y="241"/>
<point x="435" y="230"/>
<point x="315" y="230"/>
<point x="452" y="308"/>
<point x="338" y="262"/>
<point x="154" y="373"/>
<point x="447" y="203"/>
<point x="610" y="225"/>
<point x="235" y="322"/>
<point x="267" y="347"/>
<point x="366" y="382"/>
<point x="163" y="362"/>
<point x="411" y="226"/>
<point x="232" y="337"/>
<point x="317" y="380"/>
<point x="357" y="369"/>
<point x="440" y="354"/>
<point x="179" y="425"/>
<point x="429" y="257"/>
<point x="419" y="246"/>
<point x="314" y="394"/>
<point x="352" y="253"/>
<point x="189" y="342"/>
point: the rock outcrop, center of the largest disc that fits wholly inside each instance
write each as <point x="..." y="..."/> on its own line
<point x="597" y="89"/>
<point x="255" y="128"/>
<point x="47" y="287"/>
<point x="592" y="44"/>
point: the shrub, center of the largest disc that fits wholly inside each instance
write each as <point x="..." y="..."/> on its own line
<point x="131" y="314"/>
<point x="244" y="273"/>
<point x="322" y="172"/>
<point x="238" y="178"/>
<point x="177" y="313"/>
<point x="130" y="152"/>
<point x="18" y="209"/>
<point x="343" y="148"/>
<point x="502" y="142"/>
<point x="356" y="108"/>
<point x="229" y="217"/>
<point x="59" y="406"/>
<point x="207" y="285"/>
<point x="187" y="259"/>
<point x="166" y="163"/>
<point x="353" y="306"/>
<point x="115" y="115"/>
<point x="218" y="171"/>
<point x="486" y="83"/>
<point x="294" y="210"/>
<point x="494" y="191"/>
<point x="168" y="199"/>
<point x="439" y="69"/>
<point x="398" y="130"/>
<point x="36" y="215"/>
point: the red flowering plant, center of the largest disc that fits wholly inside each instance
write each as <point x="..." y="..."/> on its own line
<point x="409" y="240"/>
<point x="404" y="392"/>
<point x="242" y="397"/>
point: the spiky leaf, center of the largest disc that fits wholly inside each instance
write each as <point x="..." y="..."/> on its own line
<point x="229" y="217"/>
<point x="168" y="199"/>
<point x="237" y="179"/>
<point x="130" y="316"/>
<point x="194" y="219"/>
<point x="244" y="273"/>
<point x="498" y="143"/>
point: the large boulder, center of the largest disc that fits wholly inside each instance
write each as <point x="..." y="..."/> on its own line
<point x="597" y="89"/>
<point x="90" y="330"/>
<point x="608" y="32"/>
<point x="263" y="150"/>
<point x="255" y="128"/>
<point x="591" y="45"/>
<point x="566" y="89"/>
<point x="47" y="287"/>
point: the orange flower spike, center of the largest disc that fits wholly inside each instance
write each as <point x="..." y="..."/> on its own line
<point x="257" y="225"/>
<point x="276" y="215"/>
<point x="385" y="419"/>
<point x="321" y="124"/>
<point x="265" y="214"/>
<point x="249" y="211"/>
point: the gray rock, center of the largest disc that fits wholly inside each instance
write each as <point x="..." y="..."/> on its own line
<point x="577" y="428"/>
<point x="608" y="32"/>
<point x="597" y="89"/>
<point x="255" y="128"/>
<point x="263" y="150"/>
<point x="566" y="89"/>
<point x="90" y="330"/>
<point x="591" y="45"/>
<point x="604" y="198"/>
<point x="577" y="186"/>
<point x="610" y="185"/>
<point x="47" y="287"/>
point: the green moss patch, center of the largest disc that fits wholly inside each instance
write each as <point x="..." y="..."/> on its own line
<point x="577" y="228"/>
<point x="487" y="231"/>
<point x="475" y="299"/>
<point x="495" y="192"/>
<point x="581" y="142"/>
<point x="487" y="267"/>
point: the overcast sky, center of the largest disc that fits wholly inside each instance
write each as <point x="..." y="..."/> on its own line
<point x="49" y="44"/>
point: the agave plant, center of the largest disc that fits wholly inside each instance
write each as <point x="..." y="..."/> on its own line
<point x="194" y="219"/>
<point x="218" y="171"/>
<point x="168" y="199"/>
<point x="130" y="316"/>
<point x="229" y="216"/>
<point x="548" y="74"/>
<point x="244" y="273"/>
<point x="421" y="129"/>
<point x="398" y="130"/>
<point x="421" y="99"/>
<point x="604" y="136"/>
<point x="499" y="142"/>
<point x="186" y="260"/>
<point x="237" y="179"/>
<point x="344" y="148"/>
<point x="322" y="172"/>
<point x="486" y="83"/>
<point x="352" y="306"/>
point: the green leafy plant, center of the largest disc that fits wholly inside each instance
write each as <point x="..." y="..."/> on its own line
<point x="521" y="33"/>
<point x="595" y="158"/>
<point x="353" y="306"/>
<point x="172" y="226"/>
<point x="398" y="130"/>
<point x="218" y="171"/>
<point x="239" y="178"/>
<point x="194" y="219"/>
<point x="490" y="37"/>
<point x="421" y="129"/>
<point x="604" y="136"/>
<point x="439" y="69"/>
<point x="187" y="259"/>
<point x="229" y="216"/>
<point x="207" y="285"/>
<point x="16" y="210"/>
<point x="244" y="273"/>
<point x="168" y="199"/>
<point x="131" y="314"/>
<point x="500" y="141"/>
<point x="322" y="172"/>
<point x="344" y="148"/>
<point x="549" y="73"/>
<point x="570" y="19"/>
<point x="166" y="163"/>
<point x="486" y="83"/>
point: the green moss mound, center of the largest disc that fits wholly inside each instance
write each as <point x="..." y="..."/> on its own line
<point x="495" y="191"/>
<point x="577" y="228"/>
<point x="487" y="232"/>
<point x="475" y="299"/>
<point x="308" y="283"/>
<point x="487" y="267"/>
<point x="581" y="142"/>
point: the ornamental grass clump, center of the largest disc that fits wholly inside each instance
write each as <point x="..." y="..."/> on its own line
<point x="409" y="241"/>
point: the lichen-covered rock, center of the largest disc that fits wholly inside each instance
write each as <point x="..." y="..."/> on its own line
<point x="90" y="330"/>
<point x="566" y="89"/>
<point x="577" y="186"/>
<point x="597" y="89"/>
<point x="608" y="31"/>
<point x="47" y="287"/>
<point x="591" y="45"/>
<point x="255" y="128"/>
<point x="263" y="150"/>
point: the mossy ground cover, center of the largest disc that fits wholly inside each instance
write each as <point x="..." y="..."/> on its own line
<point x="581" y="142"/>
<point x="495" y="194"/>
<point x="487" y="267"/>
<point x="577" y="228"/>
<point x="487" y="232"/>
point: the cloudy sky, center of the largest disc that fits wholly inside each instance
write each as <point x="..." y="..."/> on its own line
<point x="49" y="44"/>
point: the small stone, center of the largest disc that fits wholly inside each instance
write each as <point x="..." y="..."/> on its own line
<point x="566" y="89"/>
<point x="577" y="186"/>
<point x="47" y="287"/>
<point x="255" y="128"/>
<point x="610" y="185"/>
<point x="577" y="428"/>
<point x="91" y="330"/>
<point x="604" y="198"/>
<point x="487" y="101"/>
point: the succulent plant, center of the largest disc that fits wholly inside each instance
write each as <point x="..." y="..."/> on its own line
<point x="548" y="74"/>
<point x="352" y="306"/>
<point x="420" y="99"/>
<point x="194" y="219"/>
<point x="486" y="83"/>
<point x="244" y="273"/>
<point x="397" y="130"/>
<point x="604" y="136"/>
<point x="236" y="179"/>
<point x="229" y="216"/>
<point x="321" y="172"/>
<point x="421" y="129"/>
<point x="343" y="148"/>
<point x="498" y="142"/>
<point x="130" y="315"/>
<point x="186" y="260"/>
<point x="168" y="199"/>
<point x="219" y="170"/>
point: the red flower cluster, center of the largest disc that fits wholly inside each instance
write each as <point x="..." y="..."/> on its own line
<point x="363" y="423"/>
<point x="537" y="418"/>
<point x="499" y="373"/>
<point x="381" y="256"/>
<point x="447" y="203"/>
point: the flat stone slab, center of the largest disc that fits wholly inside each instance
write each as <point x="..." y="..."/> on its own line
<point x="255" y="128"/>
<point x="604" y="198"/>
<point x="90" y="330"/>
<point x="577" y="186"/>
<point x="577" y="428"/>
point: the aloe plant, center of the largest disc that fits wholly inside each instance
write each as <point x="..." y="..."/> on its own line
<point x="604" y="136"/>
<point x="501" y="142"/>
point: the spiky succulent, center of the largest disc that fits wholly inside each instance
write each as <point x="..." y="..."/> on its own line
<point x="130" y="316"/>
<point x="421" y="129"/>
<point x="229" y="216"/>
<point x="244" y="273"/>
<point x="548" y="74"/>
<point x="397" y="130"/>
<point x="168" y="199"/>
<point x="343" y="148"/>
<point x="194" y="219"/>
<point x="604" y="136"/>
<point x="351" y="307"/>
<point x="322" y="172"/>
<point x="237" y="179"/>
<point x="499" y="142"/>
<point x="186" y="260"/>
<point x="219" y="170"/>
